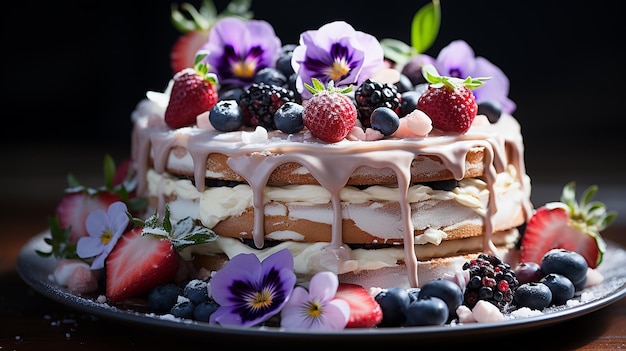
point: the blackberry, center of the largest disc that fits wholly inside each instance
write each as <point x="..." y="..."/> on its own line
<point x="260" y="101"/>
<point x="490" y="280"/>
<point x="371" y="95"/>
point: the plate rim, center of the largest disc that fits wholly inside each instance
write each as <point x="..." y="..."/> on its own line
<point x="29" y="267"/>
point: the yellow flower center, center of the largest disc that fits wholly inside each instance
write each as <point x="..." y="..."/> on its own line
<point x="106" y="236"/>
<point x="338" y="69"/>
<point x="314" y="309"/>
<point x="244" y="69"/>
<point x="260" y="299"/>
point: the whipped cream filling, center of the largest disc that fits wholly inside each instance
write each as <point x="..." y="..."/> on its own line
<point x="310" y="258"/>
<point x="431" y="209"/>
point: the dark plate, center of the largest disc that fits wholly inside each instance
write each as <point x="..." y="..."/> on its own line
<point x="36" y="270"/>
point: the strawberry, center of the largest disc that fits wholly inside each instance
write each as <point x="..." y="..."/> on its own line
<point x="185" y="48"/>
<point x="74" y="208"/>
<point x="138" y="263"/>
<point x="567" y="225"/>
<point x="365" y="312"/>
<point x="448" y="101"/>
<point x="194" y="92"/>
<point x="329" y="114"/>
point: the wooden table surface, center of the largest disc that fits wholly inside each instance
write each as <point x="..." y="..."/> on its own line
<point x="30" y="321"/>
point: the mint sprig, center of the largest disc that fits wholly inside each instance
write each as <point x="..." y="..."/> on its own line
<point x="182" y="234"/>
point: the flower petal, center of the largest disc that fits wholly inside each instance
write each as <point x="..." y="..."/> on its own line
<point x="96" y="223"/>
<point x="323" y="286"/>
<point x="89" y="246"/>
<point x="456" y="60"/>
<point x="336" y="314"/>
<point x="243" y="267"/>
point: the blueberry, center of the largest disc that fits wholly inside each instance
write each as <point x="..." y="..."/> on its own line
<point x="490" y="108"/>
<point x="288" y="117"/>
<point x="271" y="76"/>
<point x="183" y="309"/>
<point x="204" y="310"/>
<point x="283" y="63"/>
<point x="429" y="310"/>
<point x="161" y="298"/>
<point x="413" y="293"/>
<point x="408" y="102"/>
<point x="233" y="93"/>
<point x="527" y="272"/>
<point x="196" y="291"/>
<point x="571" y="264"/>
<point x="404" y="84"/>
<point x="562" y="288"/>
<point x="393" y="302"/>
<point x="226" y="116"/>
<point x="534" y="295"/>
<point x="447" y="290"/>
<point x="384" y="120"/>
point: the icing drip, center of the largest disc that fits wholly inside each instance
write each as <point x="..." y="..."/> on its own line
<point x="332" y="165"/>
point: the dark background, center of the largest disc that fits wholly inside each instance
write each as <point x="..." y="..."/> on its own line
<point x="74" y="71"/>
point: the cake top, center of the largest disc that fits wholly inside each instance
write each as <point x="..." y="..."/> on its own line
<point x="251" y="67"/>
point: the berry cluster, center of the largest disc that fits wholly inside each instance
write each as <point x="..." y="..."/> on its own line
<point x="491" y="280"/>
<point x="189" y="301"/>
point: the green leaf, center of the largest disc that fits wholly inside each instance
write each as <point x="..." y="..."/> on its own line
<point x="425" y="26"/>
<point x="109" y="171"/>
<point x="397" y="51"/>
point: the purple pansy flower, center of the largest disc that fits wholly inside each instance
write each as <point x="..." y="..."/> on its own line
<point x="104" y="229"/>
<point x="336" y="51"/>
<point x="250" y="291"/>
<point x="317" y="308"/>
<point x="457" y="59"/>
<point x="237" y="49"/>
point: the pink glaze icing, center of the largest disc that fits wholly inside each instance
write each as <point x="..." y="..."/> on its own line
<point x="332" y="165"/>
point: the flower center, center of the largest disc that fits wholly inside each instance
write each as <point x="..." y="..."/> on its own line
<point x="106" y="236"/>
<point x="260" y="299"/>
<point x="244" y="68"/>
<point x="338" y="69"/>
<point x="314" y="310"/>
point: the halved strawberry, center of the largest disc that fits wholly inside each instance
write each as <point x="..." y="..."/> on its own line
<point x="138" y="263"/>
<point x="74" y="208"/>
<point x="567" y="225"/>
<point x="365" y="312"/>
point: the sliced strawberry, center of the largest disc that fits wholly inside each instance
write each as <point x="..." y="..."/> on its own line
<point x="139" y="263"/>
<point x="74" y="208"/>
<point x="568" y="225"/>
<point x="550" y="229"/>
<point x="185" y="49"/>
<point x="365" y="312"/>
